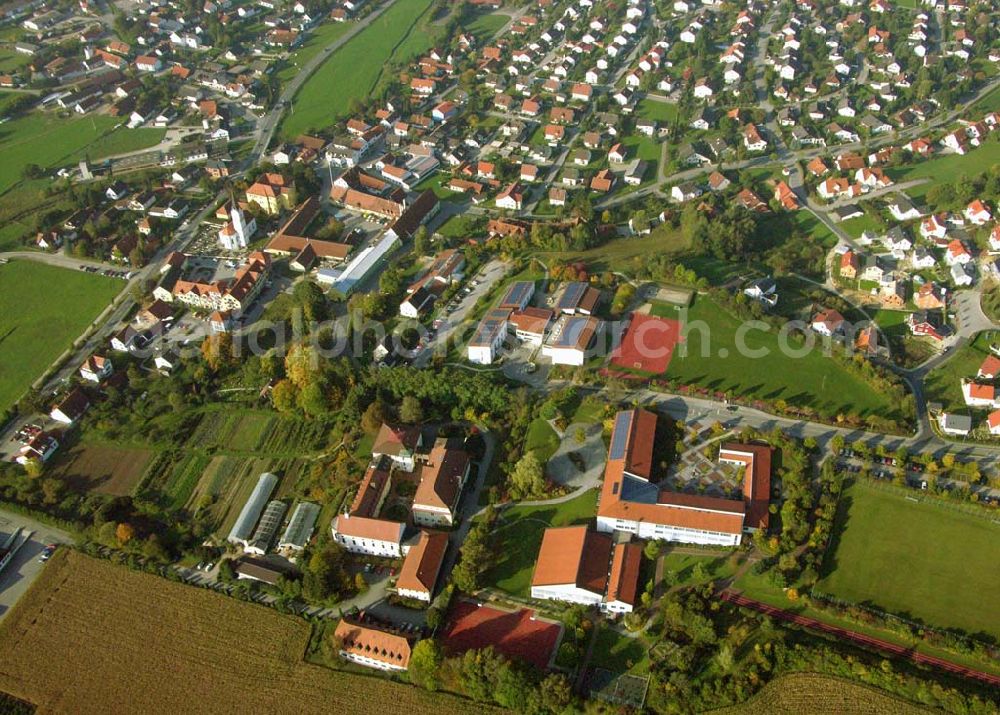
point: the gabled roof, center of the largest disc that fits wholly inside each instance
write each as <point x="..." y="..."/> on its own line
<point x="372" y="643"/>
<point x="441" y="478"/>
<point x="423" y="563"/>
<point x="573" y="555"/>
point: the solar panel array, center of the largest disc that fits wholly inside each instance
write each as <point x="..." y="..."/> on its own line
<point x="572" y="295"/>
<point x="619" y="438"/>
<point x="518" y="294"/>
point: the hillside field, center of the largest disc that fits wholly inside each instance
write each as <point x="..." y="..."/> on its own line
<point x="353" y="70"/>
<point x="43" y="309"/>
<point x="93" y="637"/>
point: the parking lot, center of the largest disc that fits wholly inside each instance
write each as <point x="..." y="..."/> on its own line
<point x="453" y="315"/>
<point x="26" y="564"/>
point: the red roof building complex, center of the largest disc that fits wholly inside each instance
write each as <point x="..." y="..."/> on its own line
<point x="578" y="565"/>
<point x="631" y="502"/>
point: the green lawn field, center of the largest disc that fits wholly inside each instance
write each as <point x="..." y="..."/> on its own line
<point x="618" y="653"/>
<point x="518" y="537"/>
<point x="712" y="360"/>
<point x="43" y="309"/>
<point x="946" y="169"/>
<point x="943" y="385"/>
<point x="541" y="439"/>
<point x="664" y="112"/>
<point x="49" y="140"/>
<point x="352" y="71"/>
<point x="486" y="25"/>
<point x="317" y="40"/>
<point x="916" y="558"/>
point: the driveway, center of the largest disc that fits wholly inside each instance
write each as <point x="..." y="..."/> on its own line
<point x="487" y="276"/>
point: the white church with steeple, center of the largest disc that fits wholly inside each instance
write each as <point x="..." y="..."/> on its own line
<point x="237" y="232"/>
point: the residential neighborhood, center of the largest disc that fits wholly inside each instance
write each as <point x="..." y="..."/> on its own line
<point x="548" y="356"/>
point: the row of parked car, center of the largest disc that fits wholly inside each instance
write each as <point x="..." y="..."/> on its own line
<point x="124" y="275"/>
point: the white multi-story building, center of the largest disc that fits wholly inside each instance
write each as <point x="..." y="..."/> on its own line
<point x="630" y="502"/>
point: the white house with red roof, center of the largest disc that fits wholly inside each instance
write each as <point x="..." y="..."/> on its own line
<point x="828" y="322"/>
<point x="957" y="253"/>
<point x="993" y="422"/>
<point x="978" y="395"/>
<point x="978" y="213"/>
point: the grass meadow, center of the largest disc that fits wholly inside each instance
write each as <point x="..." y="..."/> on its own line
<point x="43" y="309"/>
<point x="353" y="71"/>
<point x="950" y="577"/>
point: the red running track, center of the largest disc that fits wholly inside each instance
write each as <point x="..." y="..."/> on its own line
<point x="861" y="639"/>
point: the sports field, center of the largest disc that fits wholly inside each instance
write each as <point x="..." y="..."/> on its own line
<point x="43" y="309"/>
<point x="352" y="71"/>
<point x="710" y="355"/>
<point x="950" y="577"/>
<point x="93" y="637"/>
<point x="647" y="345"/>
<point x="517" y="634"/>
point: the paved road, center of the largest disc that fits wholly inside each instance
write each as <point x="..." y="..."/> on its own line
<point x="24" y="567"/>
<point x="269" y="123"/>
<point x="58" y="259"/>
<point x="488" y="276"/>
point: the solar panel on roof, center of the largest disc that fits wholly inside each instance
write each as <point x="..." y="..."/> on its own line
<point x="518" y="293"/>
<point x="637" y="490"/>
<point x="619" y="438"/>
<point x="572" y="296"/>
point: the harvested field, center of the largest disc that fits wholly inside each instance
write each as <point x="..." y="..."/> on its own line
<point x="514" y="633"/>
<point x="92" y="637"/>
<point x="820" y="695"/>
<point x="103" y="469"/>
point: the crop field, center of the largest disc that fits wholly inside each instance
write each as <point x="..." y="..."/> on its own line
<point x="821" y="694"/>
<point x="43" y="309"/>
<point x="950" y="578"/>
<point x="708" y="356"/>
<point x="245" y="431"/>
<point x="92" y="637"/>
<point x="222" y="484"/>
<point x="353" y="70"/>
<point x="103" y="469"/>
